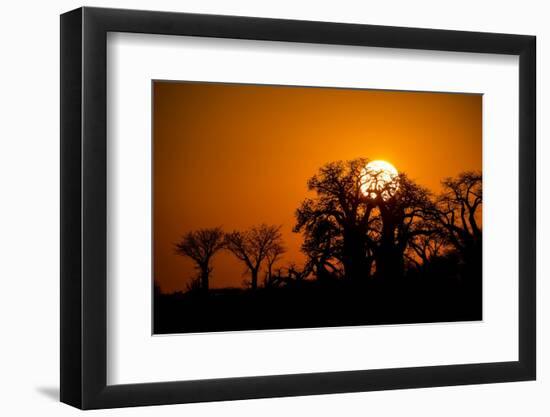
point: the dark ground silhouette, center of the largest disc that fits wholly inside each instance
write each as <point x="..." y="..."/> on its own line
<point x="311" y="304"/>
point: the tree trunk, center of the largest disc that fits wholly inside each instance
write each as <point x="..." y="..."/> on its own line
<point x="270" y="273"/>
<point x="204" y="279"/>
<point x="389" y="262"/>
<point x="389" y="257"/>
<point x="354" y="256"/>
<point x="254" y="280"/>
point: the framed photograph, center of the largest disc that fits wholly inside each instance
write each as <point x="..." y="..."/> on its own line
<point x="258" y="208"/>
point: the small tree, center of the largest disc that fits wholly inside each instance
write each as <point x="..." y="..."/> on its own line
<point x="201" y="245"/>
<point x="252" y="246"/>
<point x="273" y="254"/>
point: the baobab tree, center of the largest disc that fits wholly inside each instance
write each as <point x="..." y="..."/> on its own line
<point x="252" y="246"/>
<point x="368" y="213"/>
<point x="458" y="211"/>
<point x="201" y="246"/>
<point x="402" y="219"/>
<point x="340" y="202"/>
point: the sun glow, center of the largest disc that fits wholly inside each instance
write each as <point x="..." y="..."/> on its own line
<point x="379" y="178"/>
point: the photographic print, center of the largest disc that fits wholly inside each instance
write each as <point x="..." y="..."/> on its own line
<point x="284" y="207"/>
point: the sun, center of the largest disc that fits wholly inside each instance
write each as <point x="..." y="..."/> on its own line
<point x="379" y="177"/>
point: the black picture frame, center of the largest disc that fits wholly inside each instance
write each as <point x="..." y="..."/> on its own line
<point x="84" y="207"/>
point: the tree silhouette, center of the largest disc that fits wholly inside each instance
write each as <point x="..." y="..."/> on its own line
<point x="402" y="217"/>
<point x="252" y="246"/>
<point x="341" y="204"/>
<point x="273" y="254"/>
<point x="458" y="211"/>
<point x="359" y="226"/>
<point x="425" y="247"/>
<point x="201" y="245"/>
<point x="323" y="247"/>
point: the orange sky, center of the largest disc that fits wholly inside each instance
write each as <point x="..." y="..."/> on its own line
<point x="236" y="155"/>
